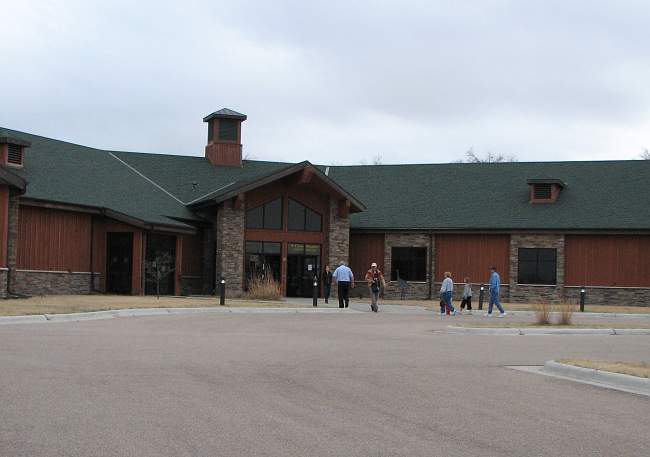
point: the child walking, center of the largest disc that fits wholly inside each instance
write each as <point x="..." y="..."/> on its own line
<point x="467" y="297"/>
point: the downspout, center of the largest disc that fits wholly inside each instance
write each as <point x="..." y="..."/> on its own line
<point x="430" y="265"/>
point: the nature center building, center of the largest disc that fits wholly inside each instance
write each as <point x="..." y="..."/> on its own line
<point x="78" y="220"/>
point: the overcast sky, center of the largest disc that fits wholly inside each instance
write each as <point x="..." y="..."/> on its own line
<point x="334" y="82"/>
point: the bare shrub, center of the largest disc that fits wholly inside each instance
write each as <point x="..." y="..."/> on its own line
<point x="543" y="313"/>
<point x="264" y="289"/>
<point x="565" y="311"/>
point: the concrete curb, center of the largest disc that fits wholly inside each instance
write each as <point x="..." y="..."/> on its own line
<point x="144" y="312"/>
<point x="617" y="380"/>
<point x="587" y="314"/>
<point x="32" y="319"/>
<point x="548" y="331"/>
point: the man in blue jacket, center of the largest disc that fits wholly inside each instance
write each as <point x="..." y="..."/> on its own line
<point x="495" y="285"/>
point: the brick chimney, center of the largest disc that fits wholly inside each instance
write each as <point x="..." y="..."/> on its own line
<point x="224" y="138"/>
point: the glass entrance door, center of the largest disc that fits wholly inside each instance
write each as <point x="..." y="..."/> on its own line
<point x="303" y="263"/>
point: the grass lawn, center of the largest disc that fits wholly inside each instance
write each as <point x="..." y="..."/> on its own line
<point x="61" y="304"/>
<point x="640" y="369"/>
<point x="534" y="325"/>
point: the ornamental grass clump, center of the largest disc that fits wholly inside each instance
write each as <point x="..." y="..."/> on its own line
<point x="565" y="314"/>
<point x="543" y="313"/>
<point x="265" y="288"/>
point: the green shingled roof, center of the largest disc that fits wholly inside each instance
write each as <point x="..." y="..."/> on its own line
<point x="598" y="195"/>
<point x="156" y="188"/>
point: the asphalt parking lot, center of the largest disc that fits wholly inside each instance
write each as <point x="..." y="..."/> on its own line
<point x="343" y="384"/>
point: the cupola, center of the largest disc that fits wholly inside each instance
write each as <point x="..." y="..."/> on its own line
<point x="224" y="146"/>
<point x="545" y="190"/>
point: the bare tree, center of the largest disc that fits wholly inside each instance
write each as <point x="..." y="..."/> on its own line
<point x="645" y="155"/>
<point x="489" y="157"/>
<point x="158" y="269"/>
<point x="375" y="160"/>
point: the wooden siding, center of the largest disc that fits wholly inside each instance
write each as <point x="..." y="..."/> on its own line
<point x="192" y="254"/>
<point x="4" y="224"/>
<point x="365" y="249"/>
<point x="472" y="255"/>
<point x="607" y="260"/>
<point x="53" y="240"/>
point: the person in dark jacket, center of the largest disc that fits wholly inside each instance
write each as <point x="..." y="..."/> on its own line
<point x="327" y="283"/>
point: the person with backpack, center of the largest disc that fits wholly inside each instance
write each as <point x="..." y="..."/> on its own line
<point x="375" y="280"/>
<point x="467" y="297"/>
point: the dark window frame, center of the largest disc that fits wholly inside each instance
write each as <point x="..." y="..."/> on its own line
<point x="537" y="266"/>
<point x="263" y="208"/>
<point x="228" y="130"/>
<point x="411" y="261"/>
<point x="305" y="213"/>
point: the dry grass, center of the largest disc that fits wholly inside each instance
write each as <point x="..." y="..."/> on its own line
<point x="433" y="305"/>
<point x="60" y="304"/>
<point x="565" y="313"/>
<point x="264" y="289"/>
<point x="542" y="313"/>
<point x="640" y="369"/>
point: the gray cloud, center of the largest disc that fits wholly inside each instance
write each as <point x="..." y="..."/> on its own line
<point x="413" y="81"/>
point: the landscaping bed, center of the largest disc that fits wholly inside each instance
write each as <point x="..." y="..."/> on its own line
<point x="639" y="369"/>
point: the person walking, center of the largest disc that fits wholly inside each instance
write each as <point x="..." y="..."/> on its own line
<point x="495" y="285"/>
<point x="344" y="280"/>
<point x="467" y="297"/>
<point x="327" y="283"/>
<point x="375" y="280"/>
<point x="446" y="292"/>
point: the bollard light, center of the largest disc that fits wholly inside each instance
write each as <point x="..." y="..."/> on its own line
<point x="315" y="292"/>
<point x="583" y="293"/>
<point x="480" y="297"/>
<point x="222" y="291"/>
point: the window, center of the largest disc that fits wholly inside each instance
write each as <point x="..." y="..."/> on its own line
<point x="15" y="155"/>
<point x="302" y="218"/>
<point x="267" y="216"/>
<point x="409" y="263"/>
<point x="537" y="266"/>
<point x="542" y="191"/>
<point x="228" y="129"/>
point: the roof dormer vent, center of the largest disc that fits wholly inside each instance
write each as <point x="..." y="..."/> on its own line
<point x="545" y="190"/>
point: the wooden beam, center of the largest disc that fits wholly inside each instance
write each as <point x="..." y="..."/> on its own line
<point x="344" y="208"/>
<point x="238" y="202"/>
<point x="305" y="176"/>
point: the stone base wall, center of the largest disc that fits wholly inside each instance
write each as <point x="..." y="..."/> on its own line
<point x="338" y="242"/>
<point x="536" y="294"/>
<point x="614" y="296"/>
<point x="3" y="283"/>
<point x="229" y="259"/>
<point x="52" y="282"/>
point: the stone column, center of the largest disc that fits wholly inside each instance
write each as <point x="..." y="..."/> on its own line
<point x="229" y="261"/>
<point x="338" y="239"/>
<point x="12" y="251"/>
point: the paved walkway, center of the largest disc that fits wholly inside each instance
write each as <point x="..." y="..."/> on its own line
<point x="343" y="383"/>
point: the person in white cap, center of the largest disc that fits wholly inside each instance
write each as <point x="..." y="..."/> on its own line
<point x="375" y="280"/>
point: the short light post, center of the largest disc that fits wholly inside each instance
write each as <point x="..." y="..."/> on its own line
<point x="583" y="294"/>
<point x="315" y="292"/>
<point x="480" y="297"/>
<point x="222" y="291"/>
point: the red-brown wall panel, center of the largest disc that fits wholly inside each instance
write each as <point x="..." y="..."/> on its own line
<point x="364" y="249"/>
<point x="192" y="255"/>
<point x="54" y="240"/>
<point x="607" y="260"/>
<point x="472" y="255"/>
<point x="4" y="224"/>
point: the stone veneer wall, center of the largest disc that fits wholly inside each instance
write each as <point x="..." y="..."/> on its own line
<point x="29" y="282"/>
<point x="338" y="241"/>
<point x="229" y="261"/>
<point x="415" y="290"/>
<point x="3" y="283"/>
<point x="14" y="215"/>
<point x="521" y="293"/>
<point x="621" y="296"/>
